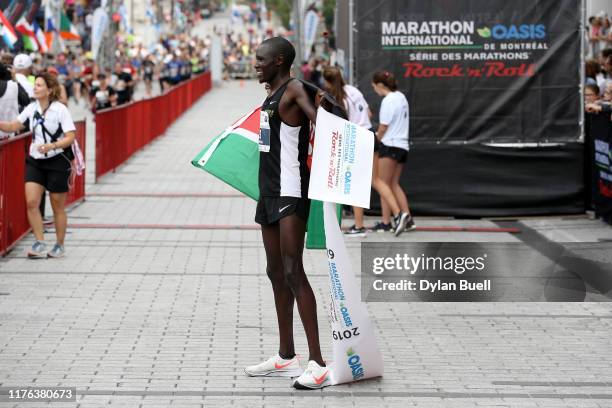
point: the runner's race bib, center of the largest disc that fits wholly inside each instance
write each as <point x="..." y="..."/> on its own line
<point x="264" y="132"/>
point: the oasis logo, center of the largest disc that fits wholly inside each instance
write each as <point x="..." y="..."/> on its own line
<point x="514" y="32"/>
<point x="355" y="363"/>
<point x="345" y="315"/>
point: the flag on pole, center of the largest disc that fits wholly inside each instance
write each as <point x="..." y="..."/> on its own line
<point x="67" y="29"/>
<point x="98" y="28"/>
<point x="53" y="39"/>
<point x="39" y="34"/>
<point x="49" y="32"/>
<point x="24" y="27"/>
<point x="233" y="156"/>
<point x="8" y="32"/>
<point x="27" y="34"/>
<point x="29" y="43"/>
<point x="40" y="37"/>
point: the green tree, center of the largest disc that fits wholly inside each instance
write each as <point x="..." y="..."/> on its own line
<point x="282" y="8"/>
<point x="329" y="8"/>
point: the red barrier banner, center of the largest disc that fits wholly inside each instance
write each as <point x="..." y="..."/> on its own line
<point x="77" y="190"/>
<point x="122" y="131"/>
<point x="13" y="219"/>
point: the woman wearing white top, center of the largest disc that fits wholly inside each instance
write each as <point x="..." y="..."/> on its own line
<point x="393" y="135"/>
<point x="359" y="113"/>
<point x="48" y="166"/>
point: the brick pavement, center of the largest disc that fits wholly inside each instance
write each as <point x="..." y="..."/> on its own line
<point x="169" y="316"/>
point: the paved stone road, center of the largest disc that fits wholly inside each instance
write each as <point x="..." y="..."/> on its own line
<point x="138" y="316"/>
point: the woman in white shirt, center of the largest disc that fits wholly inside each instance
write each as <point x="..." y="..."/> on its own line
<point x="358" y="112"/>
<point x="393" y="135"/>
<point x="49" y="164"/>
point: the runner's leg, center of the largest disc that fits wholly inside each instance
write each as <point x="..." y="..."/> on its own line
<point x="283" y="296"/>
<point x="292" y="230"/>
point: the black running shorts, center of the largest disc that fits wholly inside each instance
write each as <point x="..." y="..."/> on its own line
<point x="53" y="173"/>
<point x="271" y="209"/>
<point x="395" y="153"/>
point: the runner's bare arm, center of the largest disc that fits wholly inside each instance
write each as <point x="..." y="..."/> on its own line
<point x="303" y="101"/>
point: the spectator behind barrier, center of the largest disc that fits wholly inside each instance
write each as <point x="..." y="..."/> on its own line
<point x="593" y="104"/>
<point x="607" y="92"/>
<point x="591" y="93"/>
<point x="598" y="132"/>
<point x="122" y="82"/>
<point x="13" y="98"/>
<point x="49" y="163"/>
<point x="23" y="73"/>
<point x="592" y="69"/>
<point x="102" y="96"/>
<point x="63" y="92"/>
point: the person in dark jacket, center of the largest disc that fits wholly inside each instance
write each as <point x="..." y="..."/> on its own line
<point x="6" y="75"/>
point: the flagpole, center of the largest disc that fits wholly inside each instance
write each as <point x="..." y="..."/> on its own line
<point x="298" y="37"/>
<point x="58" y="19"/>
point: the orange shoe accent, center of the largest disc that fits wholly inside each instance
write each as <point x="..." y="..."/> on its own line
<point x="321" y="378"/>
<point x="279" y="366"/>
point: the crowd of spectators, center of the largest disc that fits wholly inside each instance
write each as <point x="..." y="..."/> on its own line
<point x="84" y="81"/>
<point x="598" y="78"/>
<point x="598" y="132"/>
<point x="599" y="34"/>
<point x="239" y="50"/>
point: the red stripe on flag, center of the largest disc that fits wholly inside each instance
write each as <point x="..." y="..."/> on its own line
<point x="7" y="24"/>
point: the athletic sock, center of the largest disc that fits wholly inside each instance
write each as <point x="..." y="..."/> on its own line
<point x="286" y="357"/>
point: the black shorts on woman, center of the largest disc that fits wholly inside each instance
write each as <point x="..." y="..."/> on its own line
<point x="398" y="154"/>
<point x="53" y="173"/>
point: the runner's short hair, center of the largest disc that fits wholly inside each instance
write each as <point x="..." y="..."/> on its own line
<point x="282" y="46"/>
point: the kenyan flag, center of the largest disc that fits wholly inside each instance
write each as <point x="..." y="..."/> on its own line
<point x="233" y="156"/>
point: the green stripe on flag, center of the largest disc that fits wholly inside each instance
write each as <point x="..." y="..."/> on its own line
<point x="316" y="226"/>
<point x="234" y="159"/>
<point x="65" y="24"/>
<point x="235" y="162"/>
<point x="29" y="44"/>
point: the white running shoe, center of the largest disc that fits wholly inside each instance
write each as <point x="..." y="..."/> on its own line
<point x="38" y="250"/>
<point x="313" y="378"/>
<point x="275" y="366"/>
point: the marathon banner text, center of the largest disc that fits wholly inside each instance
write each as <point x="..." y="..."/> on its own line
<point x="489" y="71"/>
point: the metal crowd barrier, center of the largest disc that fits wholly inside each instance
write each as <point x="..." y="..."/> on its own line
<point x="13" y="219"/>
<point x="122" y="131"/>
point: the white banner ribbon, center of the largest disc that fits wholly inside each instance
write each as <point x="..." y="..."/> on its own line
<point x="355" y="353"/>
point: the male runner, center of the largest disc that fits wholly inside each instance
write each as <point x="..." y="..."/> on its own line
<point x="283" y="209"/>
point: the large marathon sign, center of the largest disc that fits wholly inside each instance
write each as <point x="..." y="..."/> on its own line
<point x="478" y="71"/>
